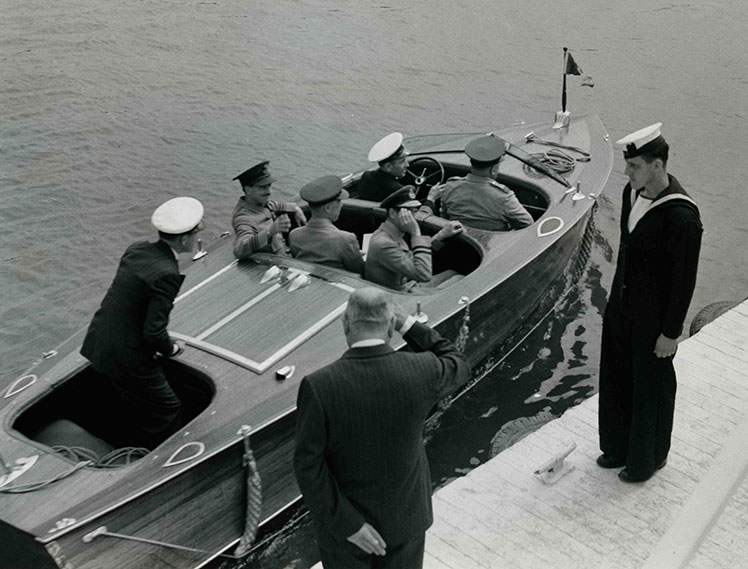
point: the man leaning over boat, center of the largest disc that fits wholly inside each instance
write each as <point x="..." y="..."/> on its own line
<point x="130" y="327"/>
<point x="478" y="200"/>
<point x="394" y="263"/>
<point x="259" y="222"/>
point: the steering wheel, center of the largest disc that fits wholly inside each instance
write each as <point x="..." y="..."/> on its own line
<point x="430" y="170"/>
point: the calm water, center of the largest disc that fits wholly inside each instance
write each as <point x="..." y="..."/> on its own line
<point x="108" y="109"/>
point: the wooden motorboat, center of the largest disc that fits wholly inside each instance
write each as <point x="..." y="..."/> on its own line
<point x="252" y="330"/>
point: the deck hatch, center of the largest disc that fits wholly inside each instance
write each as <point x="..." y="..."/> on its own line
<point x="224" y="317"/>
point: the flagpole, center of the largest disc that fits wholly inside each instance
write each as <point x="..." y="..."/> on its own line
<point x="563" y="92"/>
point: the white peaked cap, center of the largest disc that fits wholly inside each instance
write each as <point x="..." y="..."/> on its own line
<point x="386" y="148"/>
<point x="641" y="136"/>
<point x="178" y="215"/>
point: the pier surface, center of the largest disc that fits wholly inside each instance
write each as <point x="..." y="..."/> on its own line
<point x="693" y="513"/>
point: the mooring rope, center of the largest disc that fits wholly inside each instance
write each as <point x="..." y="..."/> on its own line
<point x="555" y="160"/>
<point x="254" y="497"/>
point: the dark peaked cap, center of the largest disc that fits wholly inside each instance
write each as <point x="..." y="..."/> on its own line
<point x="256" y="175"/>
<point x="404" y="197"/>
<point x="488" y="149"/>
<point x="323" y="190"/>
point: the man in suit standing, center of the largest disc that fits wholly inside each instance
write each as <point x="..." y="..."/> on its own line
<point x="360" y="459"/>
<point x="129" y="329"/>
<point x="319" y="241"/>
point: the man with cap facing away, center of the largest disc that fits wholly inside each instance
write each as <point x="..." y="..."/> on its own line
<point x="319" y="241"/>
<point x="389" y="152"/>
<point x="359" y="459"/>
<point x="390" y="260"/>
<point x="478" y="200"/>
<point x="130" y="327"/>
<point x="652" y="288"/>
<point x="258" y="221"/>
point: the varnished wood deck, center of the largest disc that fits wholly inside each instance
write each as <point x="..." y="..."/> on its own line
<point x="693" y="513"/>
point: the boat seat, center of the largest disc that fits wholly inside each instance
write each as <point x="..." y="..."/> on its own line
<point x="64" y="432"/>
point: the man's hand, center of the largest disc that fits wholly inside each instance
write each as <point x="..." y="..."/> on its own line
<point x="281" y="225"/>
<point x="665" y="347"/>
<point x="400" y="315"/>
<point x="299" y="216"/>
<point x="408" y="221"/>
<point x="368" y="540"/>
<point x="450" y="230"/>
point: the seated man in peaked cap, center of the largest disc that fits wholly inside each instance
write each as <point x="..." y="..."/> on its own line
<point x="130" y="327"/>
<point x="478" y="200"/>
<point x="319" y="241"/>
<point x="391" y="261"/>
<point x="258" y="221"/>
<point x="389" y="152"/>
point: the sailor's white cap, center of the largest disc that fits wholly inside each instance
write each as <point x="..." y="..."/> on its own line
<point x="634" y="142"/>
<point x="389" y="148"/>
<point x="178" y="215"/>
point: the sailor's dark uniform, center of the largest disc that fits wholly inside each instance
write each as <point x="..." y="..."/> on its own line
<point x="652" y="288"/>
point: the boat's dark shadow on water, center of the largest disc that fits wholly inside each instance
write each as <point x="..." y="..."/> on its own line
<point x="549" y="365"/>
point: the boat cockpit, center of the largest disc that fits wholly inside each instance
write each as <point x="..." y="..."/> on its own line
<point x="83" y="412"/>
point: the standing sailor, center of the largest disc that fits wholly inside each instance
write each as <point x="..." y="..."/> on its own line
<point x="258" y="221"/>
<point x="130" y="327"/>
<point x="392" y="157"/>
<point x="652" y="288"/>
<point x="478" y="200"/>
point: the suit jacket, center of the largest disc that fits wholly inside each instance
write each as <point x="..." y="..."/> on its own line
<point x="359" y="441"/>
<point x="390" y="262"/>
<point x="319" y="241"/>
<point x="375" y="185"/>
<point x="658" y="261"/>
<point x="130" y="325"/>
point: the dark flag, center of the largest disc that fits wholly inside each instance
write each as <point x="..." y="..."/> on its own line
<point x="571" y="66"/>
<point x="573" y="69"/>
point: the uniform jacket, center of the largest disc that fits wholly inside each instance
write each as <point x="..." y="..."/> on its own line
<point x="480" y="202"/>
<point x="359" y="444"/>
<point x="390" y="262"/>
<point x="319" y="241"/>
<point x="375" y="185"/>
<point x="130" y="325"/>
<point x="657" y="262"/>
<point x="252" y="227"/>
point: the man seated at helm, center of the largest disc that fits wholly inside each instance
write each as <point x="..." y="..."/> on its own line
<point x="319" y="241"/>
<point x="478" y="200"/>
<point x="389" y="152"/>
<point x="391" y="261"/>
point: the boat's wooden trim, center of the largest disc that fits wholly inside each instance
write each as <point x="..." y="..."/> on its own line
<point x="223" y="321"/>
<point x="206" y="281"/>
<point x="292" y="504"/>
<point x="52" y="536"/>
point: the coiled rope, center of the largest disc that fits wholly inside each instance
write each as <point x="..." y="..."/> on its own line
<point x="555" y="159"/>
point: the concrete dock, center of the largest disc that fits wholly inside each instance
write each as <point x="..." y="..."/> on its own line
<point x="693" y="513"/>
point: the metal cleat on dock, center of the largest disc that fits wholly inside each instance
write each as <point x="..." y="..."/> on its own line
<point x="554" y="469"/>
